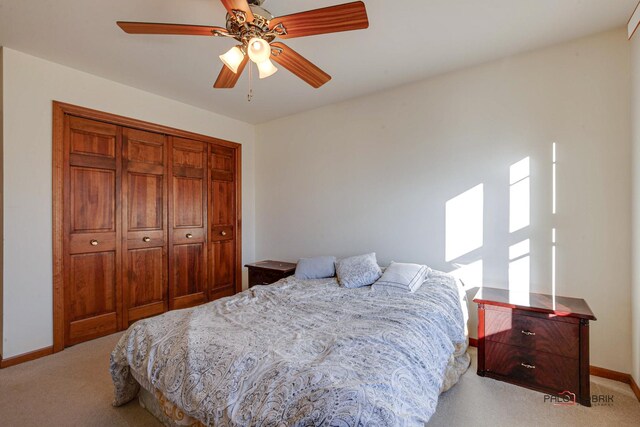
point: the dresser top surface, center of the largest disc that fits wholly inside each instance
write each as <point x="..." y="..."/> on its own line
<point x="280" y="266"/>
<point x="542" y="303"/>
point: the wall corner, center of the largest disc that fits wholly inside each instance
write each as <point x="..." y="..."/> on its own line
<point x="1" y="199"/>
<point x="635" y="197"/>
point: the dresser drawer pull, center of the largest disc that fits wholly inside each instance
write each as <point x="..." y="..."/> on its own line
<point x="93" y="242"/>
<point x="146" y="239"/>
<point x="189" y="236"/>
<point x="528" y="333"/>
<point x="526" y="365"/>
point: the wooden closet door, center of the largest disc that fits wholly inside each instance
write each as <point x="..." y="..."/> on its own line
<point x="92" y="232"/>
<point x="144" y="219"/>
<point x="222" y="222"/>
<point x="188" y="222"/>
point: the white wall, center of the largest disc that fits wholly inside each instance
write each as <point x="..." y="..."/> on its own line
<point x="30" y="85"/>
<point x="374" y="174"/>
<point x="635" y="294"/>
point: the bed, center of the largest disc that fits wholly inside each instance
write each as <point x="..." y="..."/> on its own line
<point x="299" y="353"/>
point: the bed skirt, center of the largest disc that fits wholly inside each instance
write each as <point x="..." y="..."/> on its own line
<point x="166" y="412"/>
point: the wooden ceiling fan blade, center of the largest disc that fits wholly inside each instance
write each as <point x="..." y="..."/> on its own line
<point x="227" y="79"/>
<point x="169" y="29"/>
<point x="333" y="19"/>
<point x="240" y="5"/>
<point x="298" y="65"/>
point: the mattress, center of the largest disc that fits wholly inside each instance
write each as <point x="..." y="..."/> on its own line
<point x="299" y="353"/>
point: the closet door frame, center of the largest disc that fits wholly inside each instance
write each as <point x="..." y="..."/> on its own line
<point x="62" y="110"/>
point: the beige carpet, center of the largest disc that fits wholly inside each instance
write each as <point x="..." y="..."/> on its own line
<point x="478" y="401"/>
<point x="73" y="388"/>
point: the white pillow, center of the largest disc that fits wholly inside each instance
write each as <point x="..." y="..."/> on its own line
<point x="358" y="271"/>
<point x="402" y="277"/>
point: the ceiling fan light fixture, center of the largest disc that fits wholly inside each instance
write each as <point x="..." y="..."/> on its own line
<point x="266" y="69"/>
<point x="259" y="50"/>
<point x="233" y="58"/>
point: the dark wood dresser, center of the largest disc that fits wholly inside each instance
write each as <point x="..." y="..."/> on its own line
<point x="535" y="341"/>
<point x="268" y="272"/>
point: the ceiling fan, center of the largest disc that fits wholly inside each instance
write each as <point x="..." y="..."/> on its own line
<point x="256" y="29"/>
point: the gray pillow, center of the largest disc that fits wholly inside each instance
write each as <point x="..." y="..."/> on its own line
<point x="319" y="267"/>
<point x="402" y="277"/>
<point x="358" y="271"/>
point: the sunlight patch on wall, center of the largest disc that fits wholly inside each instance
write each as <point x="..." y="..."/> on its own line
<point x="519" y="171"/>
<point x="519" y="275"/>
<point x="519" y="195"/>
<point x="470" y="275"/>
<point x="554" y="185"/>
<point x="553" y="266"/>
<point x="464" y="223"/>
<point x="519" y="218"/>
<point x="519" y="266"/>
<point x="519" y="249"/>
<point x="519" y="280"/>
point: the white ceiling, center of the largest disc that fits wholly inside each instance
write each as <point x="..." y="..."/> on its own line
<point x="408" y="40"/>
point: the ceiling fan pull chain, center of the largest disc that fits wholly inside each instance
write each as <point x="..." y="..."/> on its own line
<point x="250" y="95"/>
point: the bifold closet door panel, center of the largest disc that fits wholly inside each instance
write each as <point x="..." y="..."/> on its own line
<point x="222" y="220"/>
<point x="92" y="231"/>
<point x="188" y="223"/>
<point x="144" y="219"/>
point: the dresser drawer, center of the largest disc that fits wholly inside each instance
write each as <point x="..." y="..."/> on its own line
<point x="527" y="367"/>
<point x="551" y="336"/>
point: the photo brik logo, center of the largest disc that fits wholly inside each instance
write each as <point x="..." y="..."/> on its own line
<point x="566" y="398"/>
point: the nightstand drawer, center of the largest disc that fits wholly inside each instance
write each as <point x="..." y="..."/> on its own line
<point x="264" y="277"/>
<point x="530" y="368"/>
<point x="551" y="336"/>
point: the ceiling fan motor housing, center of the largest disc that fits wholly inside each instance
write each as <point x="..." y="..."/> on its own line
<point x="244" y="31"/>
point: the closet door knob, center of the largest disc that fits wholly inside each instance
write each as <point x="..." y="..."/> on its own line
<point x="94" y="242"/>
<point x="224" y="233"/>
<point x="146" y="239"/>
<point x="189" y="236"/>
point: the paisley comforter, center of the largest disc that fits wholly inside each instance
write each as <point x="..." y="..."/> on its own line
<point x="302" y="353"/>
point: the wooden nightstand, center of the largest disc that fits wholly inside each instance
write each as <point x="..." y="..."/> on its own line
<point x="535" y="341"/>
<point x="268" y="272"/>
